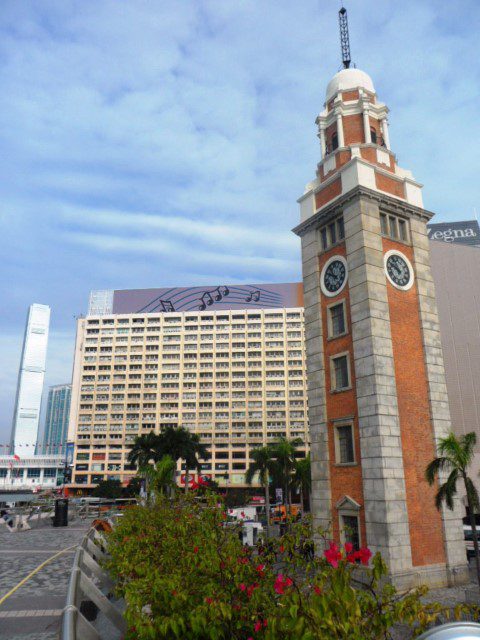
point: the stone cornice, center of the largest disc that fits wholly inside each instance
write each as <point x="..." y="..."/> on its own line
<point x="352" y="107"/>
<point x="387" y="204"/>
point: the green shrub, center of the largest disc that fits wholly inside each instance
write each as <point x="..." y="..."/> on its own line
<point x="108" y="489"/>
<point x="184" y="574"/>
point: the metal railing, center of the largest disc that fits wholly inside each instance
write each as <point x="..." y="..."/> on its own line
<point x="89" y="583"/>
<point x="33" y="515"/>
<point x="27" y="517"/>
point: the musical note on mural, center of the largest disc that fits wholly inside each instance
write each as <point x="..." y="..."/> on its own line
<point x="208" y="299"/>
<point x="166" y="305"/>
<point x="205" y="300"/>
<point x="220" y="293"/>
<point x="253" y="296"/>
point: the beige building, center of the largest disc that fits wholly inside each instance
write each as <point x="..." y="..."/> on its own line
<point x="456" y="274"/>
<point x="236" y="376"/>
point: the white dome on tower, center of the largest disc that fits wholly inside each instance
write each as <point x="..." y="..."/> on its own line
<point x="347" y="79"/>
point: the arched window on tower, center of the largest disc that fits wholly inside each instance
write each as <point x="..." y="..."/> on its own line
<point x="373" y="135"/>
<point x="334" y="141"/>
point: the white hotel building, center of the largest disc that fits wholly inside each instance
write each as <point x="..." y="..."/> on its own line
<point x="227" y="363"/>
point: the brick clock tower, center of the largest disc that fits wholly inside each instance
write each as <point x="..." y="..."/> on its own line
<point x="377" y="394"/>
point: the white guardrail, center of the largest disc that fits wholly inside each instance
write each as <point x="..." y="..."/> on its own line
<point x="89" y="583"/>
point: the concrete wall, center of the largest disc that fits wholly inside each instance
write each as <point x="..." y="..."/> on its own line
<point x="456" y="273"/>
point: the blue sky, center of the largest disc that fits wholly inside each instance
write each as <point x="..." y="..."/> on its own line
<point x="147" y="143"/>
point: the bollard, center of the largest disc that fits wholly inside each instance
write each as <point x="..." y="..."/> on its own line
<point x="60" y="519"/>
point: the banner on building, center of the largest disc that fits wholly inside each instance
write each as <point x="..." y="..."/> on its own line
<point x="461" y="232"/>
<point x="221" y="297"/>
<point x="69" y="453"/>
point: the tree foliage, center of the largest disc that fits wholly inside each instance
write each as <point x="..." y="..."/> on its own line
<point x="177" y="442"/>
<point x="185" y="574"/>
<point x="302" y="478"/>
<point x="161" y="476"/>
<point x="108" y="489"/>
<point x="455" y="457"/>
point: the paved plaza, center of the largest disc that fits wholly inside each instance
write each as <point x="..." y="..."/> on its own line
<point x="33" y="612"/>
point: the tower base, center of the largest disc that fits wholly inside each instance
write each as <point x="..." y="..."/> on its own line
<point x="433" y="576"/>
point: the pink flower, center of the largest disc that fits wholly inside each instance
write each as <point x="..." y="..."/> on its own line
<point x="242" y="586"/>
<point x="317" y="590"/>
<point x="260" y="569"/>
<point x="333" y="555"/>
<point x="348" y="547"/>
<point x="258" y="626"/>
<point x="364" y="555"/>
<point x="281" y="583"/>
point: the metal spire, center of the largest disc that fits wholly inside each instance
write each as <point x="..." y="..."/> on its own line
<point x="344" y="38"/>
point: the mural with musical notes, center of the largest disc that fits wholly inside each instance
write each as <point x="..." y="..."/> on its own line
<point x="218" y="298"/>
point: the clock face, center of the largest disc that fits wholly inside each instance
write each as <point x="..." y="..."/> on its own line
<point x="334" y="276"/>
<point x="399" y="270"/>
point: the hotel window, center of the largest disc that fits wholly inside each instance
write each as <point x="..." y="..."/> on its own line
<point x="340" y="372"/>
<point x="344" y="445"/>
<point x="394" y="227"/>
<point x="336" y="320"/>
<point x="332" y="233"/>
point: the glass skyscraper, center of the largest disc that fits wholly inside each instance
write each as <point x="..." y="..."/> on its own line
<point x="30" y="381"/>
<point x="56" y="421"/>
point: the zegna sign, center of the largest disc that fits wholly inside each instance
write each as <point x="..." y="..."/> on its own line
<point x="463" y="232"/>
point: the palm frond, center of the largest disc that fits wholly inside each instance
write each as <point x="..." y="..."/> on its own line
<point x="472" y="495"/>
<point x="440" y="496"/>
<point x="435" y="467"/>
<point x="451" y="488"/>
<point x="459" y="450"/>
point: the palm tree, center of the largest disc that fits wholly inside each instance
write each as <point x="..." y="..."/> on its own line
<point x="264" y="465"/>
<point x="302" y="478"/>
<point x="181" y="444"/>
<point x="161" y="475"/>
<point x="284" y="452"/>
<point x="146" y="448"/>
<point x="456" y="455"/>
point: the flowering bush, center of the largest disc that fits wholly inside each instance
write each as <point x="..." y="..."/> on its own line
<point x="185" y="574"/>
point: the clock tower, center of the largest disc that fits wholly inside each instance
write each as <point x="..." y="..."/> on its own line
<point x="377" y="395"/>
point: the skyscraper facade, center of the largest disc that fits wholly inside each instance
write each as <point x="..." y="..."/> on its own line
<point x="30" y="381"/>
<point x="56" y="421"/>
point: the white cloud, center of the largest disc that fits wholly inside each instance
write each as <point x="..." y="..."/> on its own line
<point x="165" y="143"/>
